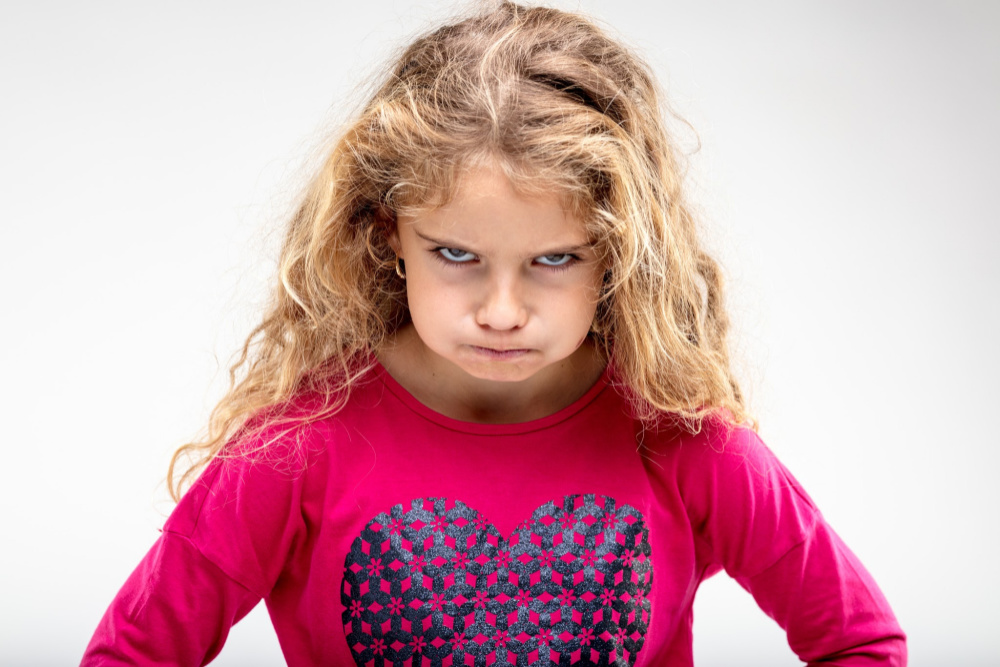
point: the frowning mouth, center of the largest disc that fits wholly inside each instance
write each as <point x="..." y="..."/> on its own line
<point x="493" y="353"/>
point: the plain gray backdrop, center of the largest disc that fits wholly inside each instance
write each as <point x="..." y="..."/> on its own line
<point x="847" y="178"/>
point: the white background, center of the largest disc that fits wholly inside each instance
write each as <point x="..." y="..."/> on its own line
<point x="848" y="178"/>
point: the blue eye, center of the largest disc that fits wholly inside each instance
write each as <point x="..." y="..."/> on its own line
<point x="456" y="255"/>
<point x="555" y="260"/>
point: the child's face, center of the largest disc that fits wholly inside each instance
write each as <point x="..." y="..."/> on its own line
<point x="501" y="286"/>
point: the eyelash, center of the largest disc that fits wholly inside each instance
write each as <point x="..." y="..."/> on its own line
<point x="573" y="259"/>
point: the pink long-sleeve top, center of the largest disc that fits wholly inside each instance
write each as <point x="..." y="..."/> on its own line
<point x="389" y="534"/>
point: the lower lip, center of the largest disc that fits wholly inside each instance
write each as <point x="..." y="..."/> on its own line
<point x="500" y="354"/>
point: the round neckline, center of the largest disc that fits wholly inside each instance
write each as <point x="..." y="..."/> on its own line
<point x="479" y="428"/>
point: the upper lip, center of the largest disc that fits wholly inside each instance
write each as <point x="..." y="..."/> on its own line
<point x="500" y="349"/>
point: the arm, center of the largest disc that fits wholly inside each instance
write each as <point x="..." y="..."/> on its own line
<point x="829" y="605"/>
<point x="175" y="609"/>
<point x="221" y="551"/>
<point x="752" y="518"/>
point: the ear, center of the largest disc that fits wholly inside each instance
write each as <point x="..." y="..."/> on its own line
<point x="385" y="219"/>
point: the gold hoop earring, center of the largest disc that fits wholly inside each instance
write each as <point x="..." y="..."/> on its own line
<point x="400" y="268"/>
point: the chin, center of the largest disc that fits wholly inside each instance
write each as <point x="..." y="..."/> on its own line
<point x="497" y="370"/>
<point x="498" y="374"/>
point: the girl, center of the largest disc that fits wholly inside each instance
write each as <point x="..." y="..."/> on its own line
<point x="490" y="415"/>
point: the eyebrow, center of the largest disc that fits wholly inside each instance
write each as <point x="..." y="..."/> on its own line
<point x="561" y="250"/>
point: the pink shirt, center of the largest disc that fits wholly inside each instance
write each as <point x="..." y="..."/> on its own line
<point x="389" y="534"/>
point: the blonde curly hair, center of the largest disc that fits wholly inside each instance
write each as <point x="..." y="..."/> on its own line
<point x="555" y="102"/>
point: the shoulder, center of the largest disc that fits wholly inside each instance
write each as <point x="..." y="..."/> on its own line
<point x="246" y="511"/>
<point x="740" y="499"/>
<point x="275" y="456"/>
<point x="259" y="464"/>
<point x="717" y="447"/>
<point x="289" y="438"/>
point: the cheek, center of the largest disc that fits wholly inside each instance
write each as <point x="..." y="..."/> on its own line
<point x="574" y="314"/>
<point x="432" y="306"/>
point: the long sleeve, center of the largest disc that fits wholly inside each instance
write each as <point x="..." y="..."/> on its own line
<point x="828" y="604"/>
<point x="175" y="609"/>
<point x="753" y="519"/>
<point x="222" y="549"/>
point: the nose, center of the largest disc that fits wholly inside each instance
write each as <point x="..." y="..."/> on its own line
<point x="503" y="306"/>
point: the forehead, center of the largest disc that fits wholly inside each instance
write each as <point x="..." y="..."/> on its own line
<point x="487" y="209"/>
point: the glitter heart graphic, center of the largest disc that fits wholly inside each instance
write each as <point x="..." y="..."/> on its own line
<point x="436" y="584"/>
